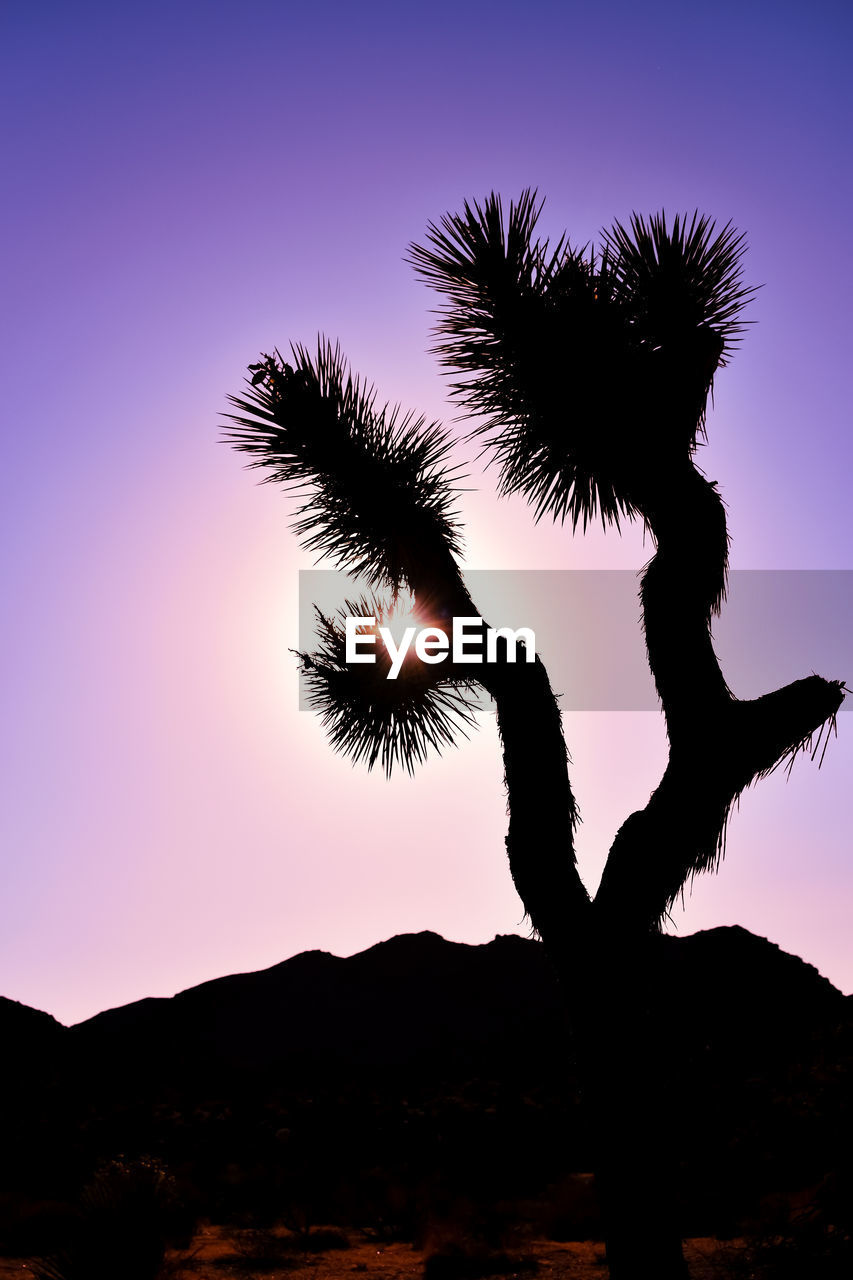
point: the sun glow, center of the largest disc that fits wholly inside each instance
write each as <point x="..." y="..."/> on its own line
<point x="401" y="615"/>
<point x="403" y="620"/>
<point x="399" y="631"/>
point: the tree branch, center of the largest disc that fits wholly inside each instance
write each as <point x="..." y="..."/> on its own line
<point x="719" y="744"/>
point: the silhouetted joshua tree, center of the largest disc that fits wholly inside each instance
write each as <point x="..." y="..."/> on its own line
<point x="589" y="375"/>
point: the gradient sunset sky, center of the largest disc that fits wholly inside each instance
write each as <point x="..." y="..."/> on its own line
<point x="188" y="184"/>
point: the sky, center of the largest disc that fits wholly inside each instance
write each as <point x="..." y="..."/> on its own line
<point x="190" y="184"/>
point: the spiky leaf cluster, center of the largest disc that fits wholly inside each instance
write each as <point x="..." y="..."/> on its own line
<point x="513" y="309"/>
<point x="680" y="281"/>
<point x="583" y="376"/>
<point x="371" y="718"/>
<point x="375" y="482"/>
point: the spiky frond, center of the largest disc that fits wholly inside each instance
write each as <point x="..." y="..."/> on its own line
<point x="375" y="482"/>
<point x="682" y="294"/>
<point x="533" y="331"/>
<point x="681" y="281"/>
<point x="371" y="718"/>
<point x="587" y="370"/>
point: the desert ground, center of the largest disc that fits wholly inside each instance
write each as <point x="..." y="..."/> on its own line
<point x="218" y="1252"/>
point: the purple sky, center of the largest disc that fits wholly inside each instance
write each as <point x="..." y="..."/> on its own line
<point x="189" y="184"/>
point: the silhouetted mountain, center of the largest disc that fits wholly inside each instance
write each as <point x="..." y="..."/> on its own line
<point x="420" y="1059"/>
<point x="27" y="1030"/>
<point x="421" y="1001"/>
<point x="414" y="999"/>
<point x="418" y="998"/>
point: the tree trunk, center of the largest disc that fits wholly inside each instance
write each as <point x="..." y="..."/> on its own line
<point x="618" y="1016"/>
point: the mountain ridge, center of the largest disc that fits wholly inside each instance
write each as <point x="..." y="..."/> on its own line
<point x="410" y="942"/>
<point x="347" y="1087"/>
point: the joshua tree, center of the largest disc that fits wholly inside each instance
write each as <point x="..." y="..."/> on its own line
<point x="589" y="374"/>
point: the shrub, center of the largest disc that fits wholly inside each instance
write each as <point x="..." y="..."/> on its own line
<point x="128" y="1216"/>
